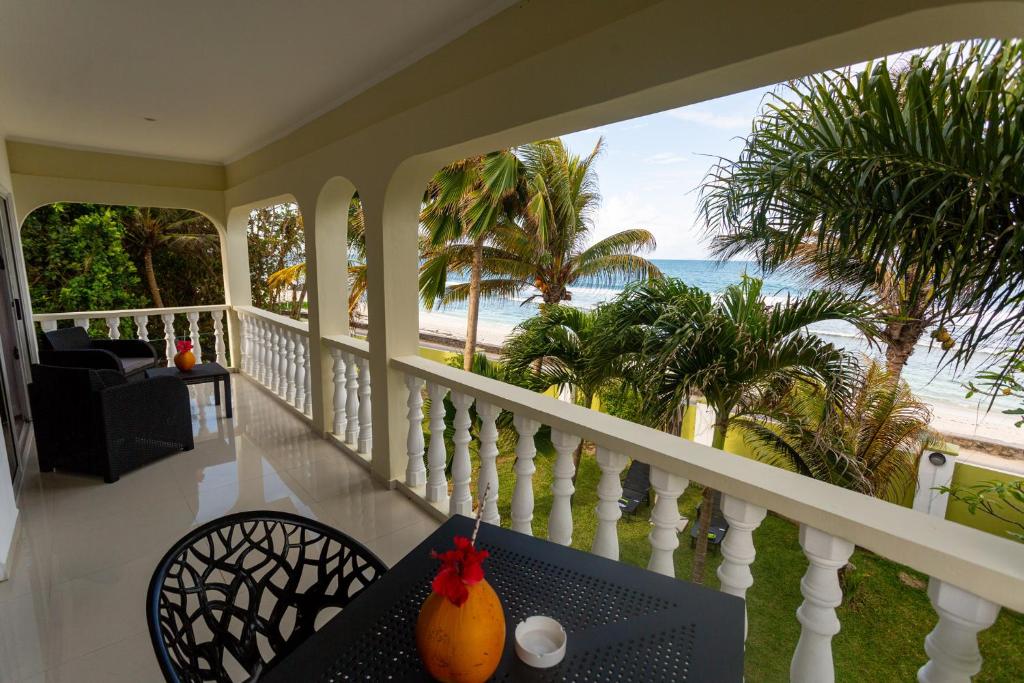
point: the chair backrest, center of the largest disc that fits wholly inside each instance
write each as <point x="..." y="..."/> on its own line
<point x="235" y="595"/>
<point x="67" y="339"/>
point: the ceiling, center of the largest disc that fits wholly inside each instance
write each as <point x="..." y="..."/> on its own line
<point x="220" y="78"/>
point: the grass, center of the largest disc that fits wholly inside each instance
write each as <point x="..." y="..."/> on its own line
<point x="884" y="620"/>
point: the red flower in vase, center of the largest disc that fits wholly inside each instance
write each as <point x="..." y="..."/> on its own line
<point x="183" y="345"/>
<point x="460" y="568"/>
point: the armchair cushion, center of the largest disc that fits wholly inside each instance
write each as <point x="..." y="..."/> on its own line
<point x="72" y="347"/>
<point x="67" y="339"/>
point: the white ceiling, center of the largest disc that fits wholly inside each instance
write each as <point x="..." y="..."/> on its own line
<point x="221" y="77"/>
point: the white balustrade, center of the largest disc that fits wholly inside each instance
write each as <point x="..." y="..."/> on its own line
<point x="351" y="400"/>
<point x="365" y="409"/>
<point x="169" y="350"/>
<point x="278" y="383"/>
<point x="264" y="352"/>
<point x="560" y="520"/>
<point x="340" y="420"/>
<point x="142" y="331"/>
<point x="193" y="335"/>
<point x="738" y="546"/>
<point x="952" y="646"/>
<point x="522" y="494"/>
<point x="826" y="554"/>
<point x="113" y="326"/>
<point x="487" y="482"/>
<point x="307" y="379"/>
<point x="437" y="485"/>
<point x="288" y="366"/>
<point x="82" y="322"/>
<point x="300" y="372"/>
<point x="245" y="344"/>
<point x="461" y="502"/>
<point x="218" y="337"/>
<point x="48" y="325"/>
<point x="415" y="470"/>
<point x="664" y="537"/>
<point x="609" y="491"/>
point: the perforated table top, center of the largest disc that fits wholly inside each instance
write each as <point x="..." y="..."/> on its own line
<point x="623" y="623"/>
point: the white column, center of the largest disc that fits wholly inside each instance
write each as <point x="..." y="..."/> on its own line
<point x="738" y="546"/>
<point x="609" y="491"/>
<point x="243" y="363"/>
<point x="288" y="365"/>
<point x="260" y="355"/>
<point x="280" y="386"/>
<point x="560" y="520"/>
<point x="83" y="323"/>
<point x="218" y="338"/>
<point x="522" y="494"/>
<point x="193" y="333"/>
<point x="488" y="462"/>
<point x="826" y="554"/>
<point x="952" y="646"/>
<point x="415" y="471"/>
<point x="113" y="326"/>
<point x="352" y="400"/>
<point x="48" y="325"/>
<point x="300" y="372"/>
<point x="664" y="537"/>
<point x="307" y="377"/>
<point x="365" y="409"/>
<point x="934" y="470"/>
<point x="437" y="485"/>
<point x="339" y="393"/>
<point x="461" y="502"/>
<point x="169" y="350"/>
<point x="140" y="324"/>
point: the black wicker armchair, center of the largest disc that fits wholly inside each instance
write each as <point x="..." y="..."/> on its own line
<point x="73" y="347"/>
<point x="97" y="422"/>
<point x="236" y="595"/>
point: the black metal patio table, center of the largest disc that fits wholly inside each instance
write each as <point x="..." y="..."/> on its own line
<point x="202" y="373"/>
<point x="623" y="623"/>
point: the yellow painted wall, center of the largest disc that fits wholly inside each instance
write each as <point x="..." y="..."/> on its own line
<point x="966" y="475"/>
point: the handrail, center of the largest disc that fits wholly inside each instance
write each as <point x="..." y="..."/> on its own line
<point x="128" y="312"/>
<point x="359" y="347"/>
<point x="281" y="320"/>
<point x="984" y="564"/>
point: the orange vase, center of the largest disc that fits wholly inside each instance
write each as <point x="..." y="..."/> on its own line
<point x="462" y="644"/>
<point x="185" y="360"/>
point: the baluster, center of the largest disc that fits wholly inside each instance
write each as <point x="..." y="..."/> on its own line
<point x="560" y="520"/>
<point x="365" y="414"/>
<point x="277" y="345"/>
<point x="168" y="321"/>
<point x="437" y="485"/>
<point x="522" y="494"/>
<point x="461" y="502"/>
<point x="264" y="352"/>
<point x="288" y="366"/>
<point x="351" y="400"/>
<point x="609" y="491"/>
<point x="664" y="537"/>
<point x="113" y="326"/>
<point x="738" y="550"/>
<point x="83" y="323"/>
<point x="488" y="462"/>
<point x="300" y="372"/>
<point x="812" y="659"/>
<point x="415" y="471"/>
<point x="193" y="334"/>
<point x="218" y="337"/>
<point x="307" y="378"/>
<point x="259" y="370"/>
<point x="244" y="344"/>
<point x="48" y="325"/>
<point x="140" y="324"/>
<point x="952" y="646"/>
<point x="340" y="421"/>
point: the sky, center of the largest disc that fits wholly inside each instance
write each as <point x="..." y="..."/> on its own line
<point x="652" y="166"/>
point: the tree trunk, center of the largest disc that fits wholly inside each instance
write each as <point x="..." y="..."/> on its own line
<point x="473" y="316"/>
<point x="154" y="290"/>
<point x="700" y="553"/>
<point x="297" y="304"/>
<point x="901" y="338"/>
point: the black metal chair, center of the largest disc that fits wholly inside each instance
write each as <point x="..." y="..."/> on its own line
<point x="73" y="347"/>
<point x="236" y="595"/>
<point x="97" y="422"/>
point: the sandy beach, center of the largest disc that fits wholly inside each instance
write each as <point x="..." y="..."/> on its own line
<point x="949" y="419"/>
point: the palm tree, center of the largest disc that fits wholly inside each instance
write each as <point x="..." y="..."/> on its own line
<point x="671" y="341"/>
<point x="867" y="441"/>
<point x="356" y="239"/>
<point x="150" y="229"/>
<point x="903" y="179"/>
<point x="542" y="200"/>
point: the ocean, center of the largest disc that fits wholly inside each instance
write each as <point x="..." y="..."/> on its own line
<point x="926" y="375"/>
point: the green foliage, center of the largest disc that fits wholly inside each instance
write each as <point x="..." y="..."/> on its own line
<point x="1006" y="381"/>
<point x="1003" y="500"/>
<point x="275" y="240"/>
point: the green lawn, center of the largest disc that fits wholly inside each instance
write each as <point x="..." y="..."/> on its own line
<point x="884" y="621"/>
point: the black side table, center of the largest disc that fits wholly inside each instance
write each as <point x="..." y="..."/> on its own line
<point x="202" y="373"/>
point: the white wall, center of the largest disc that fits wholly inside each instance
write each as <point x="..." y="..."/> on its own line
<point x="8" y="509"/>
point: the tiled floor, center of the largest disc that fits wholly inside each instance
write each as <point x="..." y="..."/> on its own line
<point x="74" y="609"/>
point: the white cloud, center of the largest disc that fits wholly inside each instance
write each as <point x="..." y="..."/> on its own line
<point x="708" y="118"/>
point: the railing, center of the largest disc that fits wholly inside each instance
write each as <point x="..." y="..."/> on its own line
<point x="351" y="423"/>
<point x="275" y="353"/>
<point x="153" y="325"/>
<point x="972" y="573"/>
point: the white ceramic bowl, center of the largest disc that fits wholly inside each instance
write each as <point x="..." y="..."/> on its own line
<point x="540" y="642"/>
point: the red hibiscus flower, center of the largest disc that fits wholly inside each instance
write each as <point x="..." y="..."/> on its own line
<point x="460" y="568"/>
<point x="183" y="345"/>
